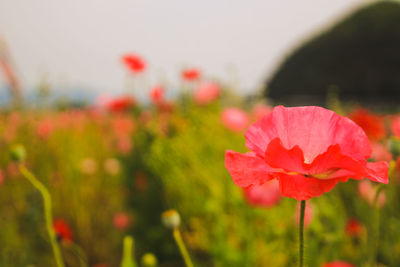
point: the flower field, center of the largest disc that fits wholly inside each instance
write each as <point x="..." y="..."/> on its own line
<point x="113" y="167"/>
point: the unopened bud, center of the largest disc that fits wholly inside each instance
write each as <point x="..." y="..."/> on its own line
<point x="394" y="145"/>
<point x="171" y="219"/>
<point x="18" y="153"/>
<point x="149" y="260"/>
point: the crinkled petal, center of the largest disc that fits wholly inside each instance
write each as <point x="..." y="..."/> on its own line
<point x="290" y="160"/>
<point x="333" y="164"/>
<point x="303" y="188"/>
<point x="378" y="171"/>
<point x="247" y="169"/>
<point x="312" y="128"/>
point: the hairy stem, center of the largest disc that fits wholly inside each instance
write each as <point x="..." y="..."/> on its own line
<point x="47" y="212"/>
<point x="301" y="232"/>
<point x="182" y="248"/>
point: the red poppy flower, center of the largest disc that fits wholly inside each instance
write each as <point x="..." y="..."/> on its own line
<point x="157" y="94"/>
<point x="63" y="231"/>
<point x="134" y="63"/>
<point x="235" y="119"/>
<point x="191" y="74"/>
<point x="121" y="220"/>
<point x="206" y="93"/>
<point x="338" y="264"/>
<point x="120" y="103"/>
<point x="373" y="125"/>
<point x="353" y="227"/>
<point x="266" y="195"/>
<point x="307" y="149"/>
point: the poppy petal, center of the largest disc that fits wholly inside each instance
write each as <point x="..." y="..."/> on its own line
<point x="303" y="188"/>
<point x="247" y="169"/>
<point x="313" y="129"/>
<point x="277" y="156"/>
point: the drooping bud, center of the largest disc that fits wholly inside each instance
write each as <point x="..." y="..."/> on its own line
<point x="18" y="153"/>
<point x="171" y="219"/>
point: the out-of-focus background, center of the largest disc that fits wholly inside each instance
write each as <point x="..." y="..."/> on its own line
<point x="75" y="43"/>
<point x="126" y="108"/>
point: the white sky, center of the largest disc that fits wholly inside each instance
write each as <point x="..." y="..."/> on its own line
<point x="79" y="42"/>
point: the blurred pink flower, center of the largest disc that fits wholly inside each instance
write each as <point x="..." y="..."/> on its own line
<point x="190" y="74"/>
<point x="124" y="145"/>
<point x="89" y="166"/>
<point x="259" y="111"/>
<point x="206" y="93"/>
<point x="121" y="220"/>
<point x="265" y="195"/>
<point x="134" y="63"/>
<point x="308" y="214"/>
<point x="112" y="166"/>
<point x="122" y="125"/>
<point x="44" y="128"/>
<point x="380" y="152"/>
<point x="395" y="126"/>
<point x="157" y="94"/>
<point x="338" y="264"/>
<point x="367" y="190"/>
<point x="235" y="119"/>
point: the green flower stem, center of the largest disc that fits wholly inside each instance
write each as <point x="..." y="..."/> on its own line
<point x="80" y="254"/>
<point x="182" y="248"/>
<point x="374" y="234"/>
<point x="47" y="211"/>
<point x="301" y="232"/>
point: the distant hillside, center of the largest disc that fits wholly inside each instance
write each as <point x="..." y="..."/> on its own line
<point x="360" y="55"/>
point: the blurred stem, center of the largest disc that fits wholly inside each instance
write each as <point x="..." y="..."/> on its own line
<point x="47" y="212"/>
<point x="127" y="257"/>
<point x="182" y="248"/>
<point x="80" y="254"/>
<point x="374" y="230"/>
<point x="301" y="232"/>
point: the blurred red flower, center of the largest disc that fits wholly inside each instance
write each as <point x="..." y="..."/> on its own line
<point x="307" y="149"/>
<point x="373" y="125"/>
<point x="235" y="119"/>
<point x="63" y="231"/>
<point x="120" y="103"/>
<point x="368" y="191"/>
<point x="259" y="111"/>
<point x="157" y="94"/>
<point x="353" y="227"/>
<point x="190" y="74"/>
<point x="395" y="126"/>
<point x="338" y="264"/>
<point x="134" y="63"/>
<point x="206" y="93"/>
<point x="381" y="152"/>
<point x="266" y="195"/>
<point x="121" y="220"/>
<point x="44" y="128"/>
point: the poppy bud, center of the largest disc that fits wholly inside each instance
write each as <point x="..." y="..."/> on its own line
<point x="149" y="260"/>
<point x="394" y="146"/>
<point x="171" y="219"/>
<point x="18" y="153"/>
